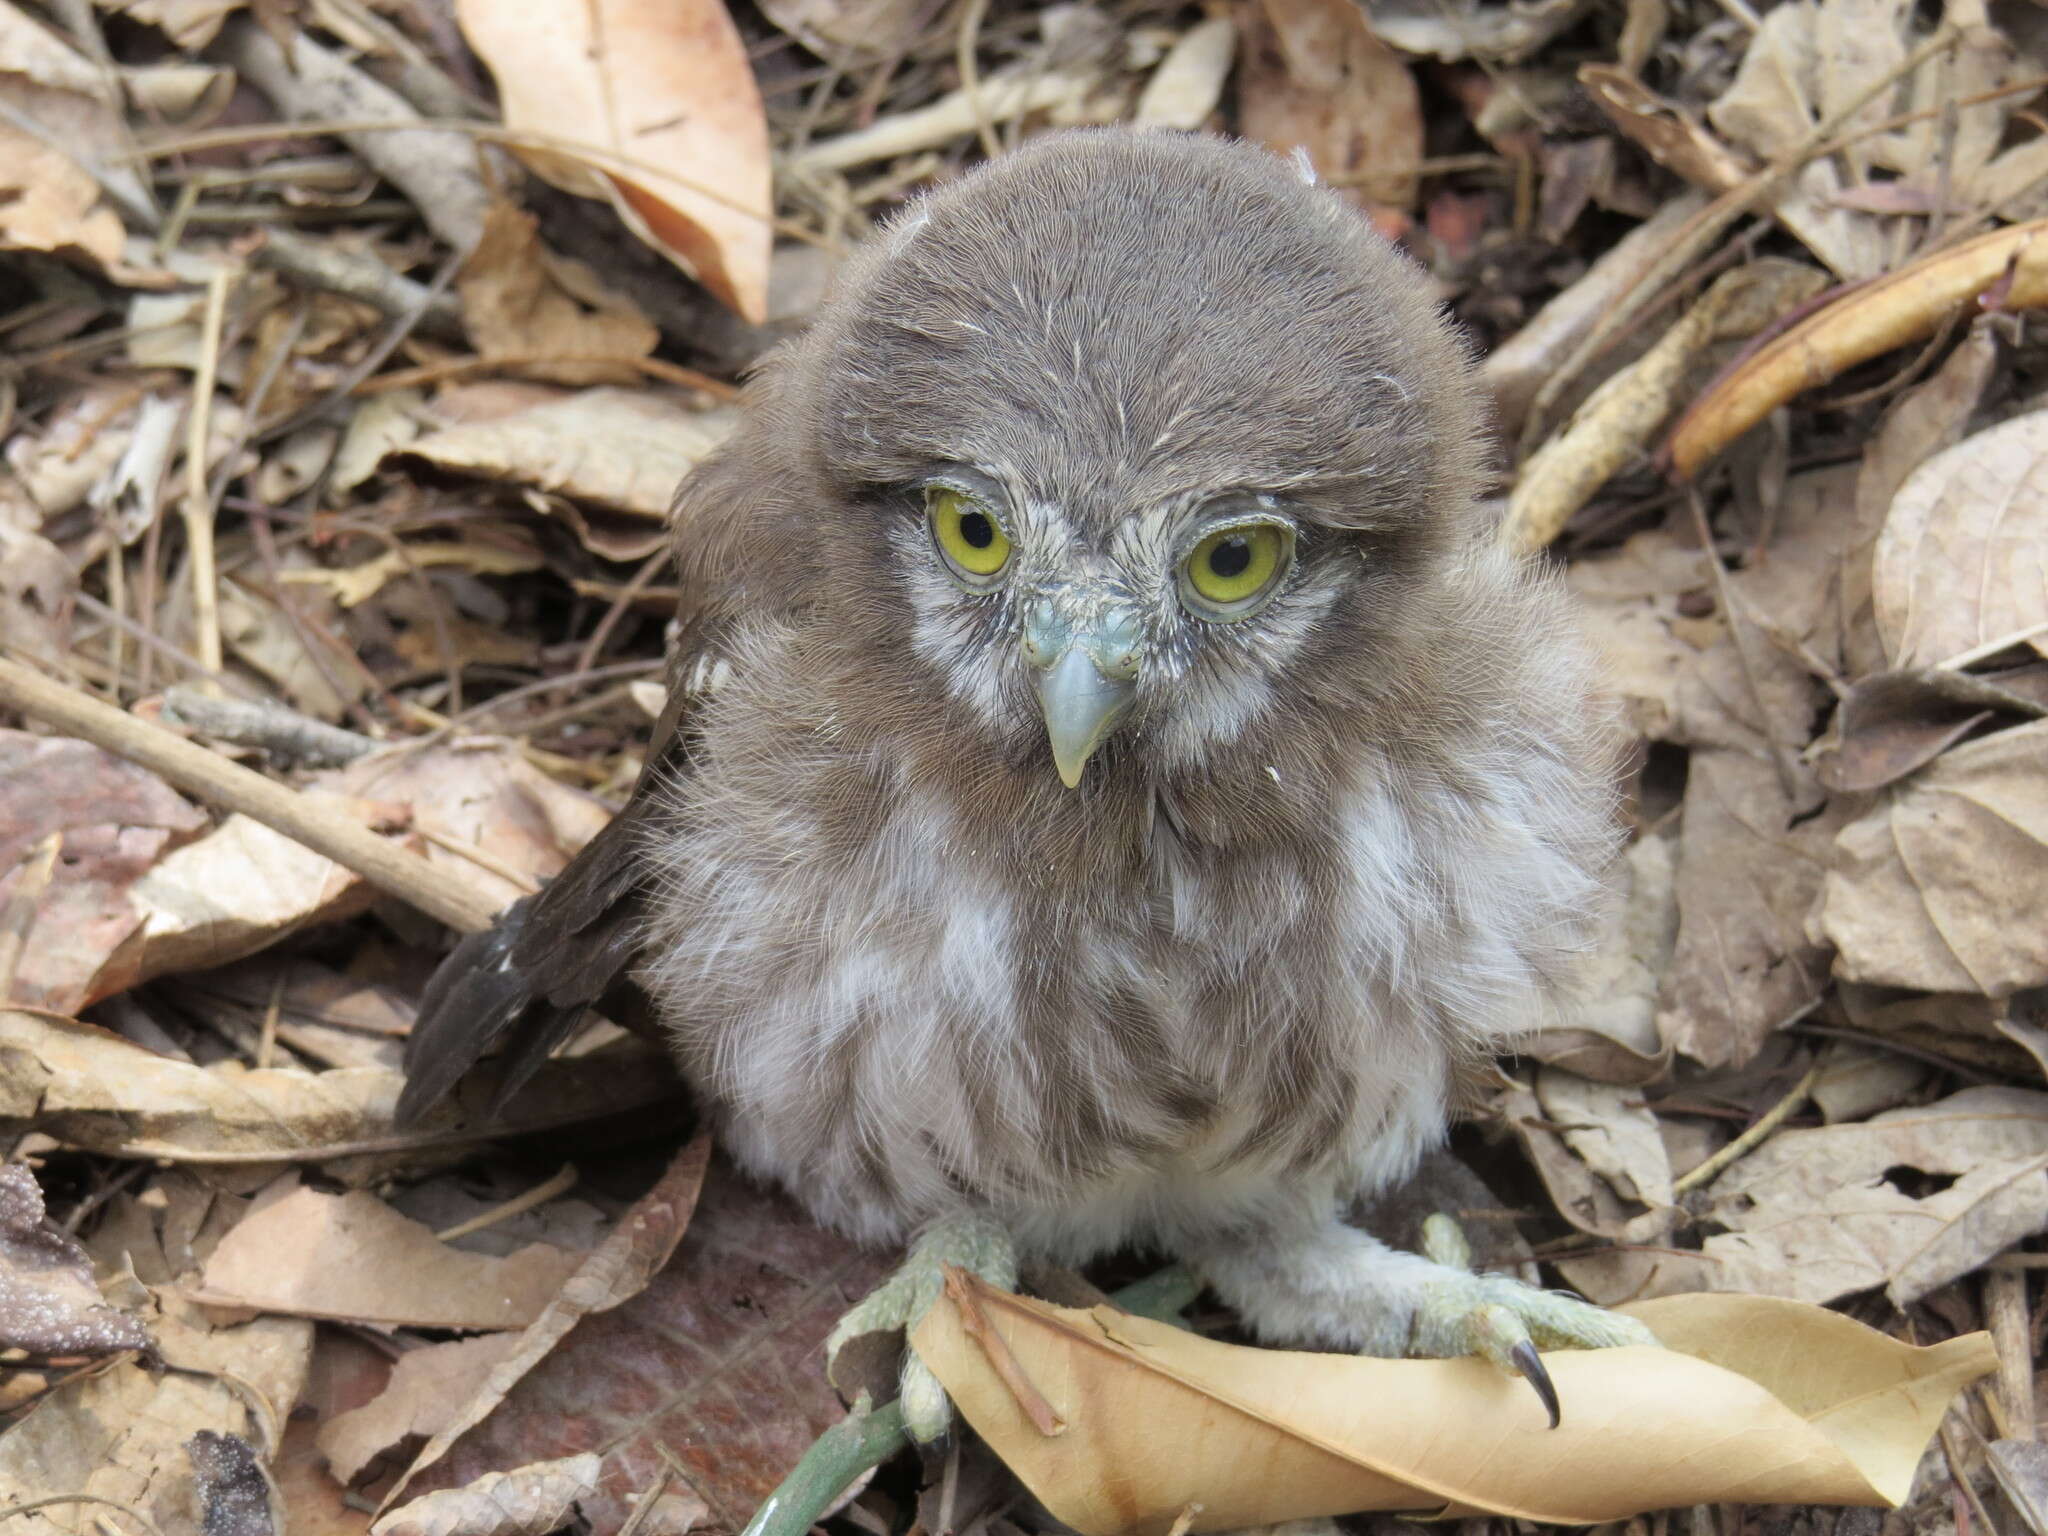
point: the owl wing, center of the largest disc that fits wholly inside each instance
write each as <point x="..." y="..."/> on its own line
<point x="525" y="984"/>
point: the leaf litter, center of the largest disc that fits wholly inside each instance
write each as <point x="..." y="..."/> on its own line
<point x="1756" y="288"/>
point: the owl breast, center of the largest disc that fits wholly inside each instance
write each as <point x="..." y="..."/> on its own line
<point x="891" y="1013"/>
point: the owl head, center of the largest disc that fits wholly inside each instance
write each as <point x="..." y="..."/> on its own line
<point x="1137" y="435"/>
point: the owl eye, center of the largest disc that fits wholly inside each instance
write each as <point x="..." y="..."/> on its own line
<point x="1235" y="569"/>
<point x="969" y="539"/>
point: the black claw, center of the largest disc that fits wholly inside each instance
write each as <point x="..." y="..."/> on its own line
<point x="1530" y="1364"/>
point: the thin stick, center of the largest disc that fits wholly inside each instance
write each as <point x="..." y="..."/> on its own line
<point x="219" y="782"/>
<point x="198" y="508"/>
<point x="559" y="1184"/>
<point x="1752" y="1138"/>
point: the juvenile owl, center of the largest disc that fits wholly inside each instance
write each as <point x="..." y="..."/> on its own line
<point x="1115" y="784"/>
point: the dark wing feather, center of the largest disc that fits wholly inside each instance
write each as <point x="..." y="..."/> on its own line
<point x="527" y="982"/>
<point x="524" y="985"/>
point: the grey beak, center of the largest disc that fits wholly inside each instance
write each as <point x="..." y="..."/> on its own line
<point x="1081" y="707"/>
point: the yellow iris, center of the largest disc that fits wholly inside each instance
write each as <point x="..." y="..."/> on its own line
<point x="967" y="534"/>
<point x="1233" y="565"/>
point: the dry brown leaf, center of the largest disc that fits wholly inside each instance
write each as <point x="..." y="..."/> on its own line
<point x="528" y="1501"/>
<point x="1628" y="601"/>
<point x="427" y="1388"/>
<point x="117" y="820"/>
<point x="235" y="891"/>
<point x="352" y="1258"/>
<point x="483" y="793"/>
<point x="1893" y="723"/>
<point x="1962" y="564"/>
<point x="845" y="31"/>
<point x="94" y="1090"/>
<point x="1750" y="864"/>
<point x="1804" y="61"/>
<point x="1924" y="420"/>
<point x="1934" y="888"/>
<point x="1313" y="77"/>
<point x="1667" y="133"/>
<point x="49" y="203"/>
<point x="611" y="1274"/>
<point x="1753" y="1400"/>
<point x="1908" y="1200"/>
<point x="521" y="300"/>
<point x="714" y="1372"/>
<point x="49" y="1303"/>
<point x="1611" y="1033"/>
<point x="666" y="83"/>
<point x="614" y="447"/>
<point x="351" y="586"/>
<point x="121" y="1433"/>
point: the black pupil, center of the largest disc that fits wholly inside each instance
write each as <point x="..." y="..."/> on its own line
<point x="1230" y="557"/>
<point x="976" y="530"/>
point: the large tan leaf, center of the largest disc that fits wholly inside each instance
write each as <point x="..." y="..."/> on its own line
<point x="1752" y="1400"/>
<point x="1963" y="560"/>
<point x="1819" y="1214"/>
<point x="1940" y="887"/>
<point x="614" y="448"/>
<point x="665" y="83"/>
<point x="352" y="1257"/>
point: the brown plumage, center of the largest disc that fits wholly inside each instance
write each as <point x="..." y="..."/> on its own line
<point x="1331" y="841"/>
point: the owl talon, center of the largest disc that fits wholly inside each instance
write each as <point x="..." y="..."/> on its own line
<point x="1530" y="1364"/>
<point x="969" y="1240"/>
<point x="1507" y="1321"/>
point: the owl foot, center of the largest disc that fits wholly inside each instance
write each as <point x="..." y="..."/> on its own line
<point x="972" y="1240"/>
<point x="1501" y="1318"/>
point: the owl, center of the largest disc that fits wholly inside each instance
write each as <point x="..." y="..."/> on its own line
<point x="1115" y="786"/>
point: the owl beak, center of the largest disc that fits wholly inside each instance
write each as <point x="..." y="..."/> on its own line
<point x="1086" y="678"/>
<point x="1081" y="707"/>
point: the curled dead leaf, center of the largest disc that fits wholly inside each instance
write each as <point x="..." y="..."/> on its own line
<point x="1752" y="1399"/>
<point x="1891" y="311"/>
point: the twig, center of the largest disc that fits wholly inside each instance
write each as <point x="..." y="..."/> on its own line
<point x="361" y="276"/>
<point x="1707" y="226"/>
<point x="1009" y="1370"/>
<point x="219" y="782"/>
<point x="1752" y="1138"/>
<point x="198" y="507"/>
<point x="274" y="728"/>
<point x="48" y="1499"/>
<point x="971" y="12"/>
<point x="561" y="1183"/>
<point x="435" y="168"/>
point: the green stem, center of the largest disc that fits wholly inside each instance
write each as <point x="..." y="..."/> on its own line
<point x="869" y="1436"/>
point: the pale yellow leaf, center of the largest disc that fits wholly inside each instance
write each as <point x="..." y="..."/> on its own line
<point x="1753" y="1400"/>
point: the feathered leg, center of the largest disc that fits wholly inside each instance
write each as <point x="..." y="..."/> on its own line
<point x="972" y="1240"/>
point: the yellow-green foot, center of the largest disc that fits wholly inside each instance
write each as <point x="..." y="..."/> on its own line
<point x="1462" y="1313"/>
<point x="970" y="1240"/>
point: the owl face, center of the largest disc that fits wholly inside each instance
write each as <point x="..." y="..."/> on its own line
<point x="1170" y="632"/>
<point x="1147" y="443"/>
